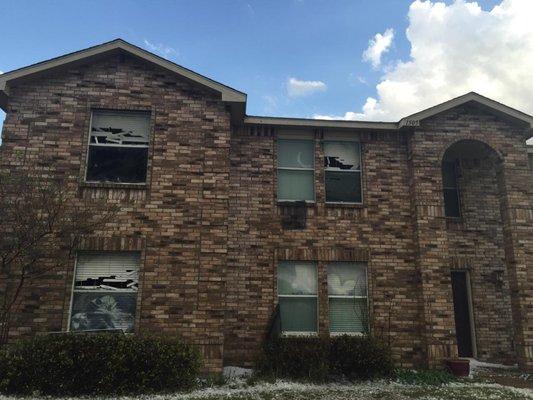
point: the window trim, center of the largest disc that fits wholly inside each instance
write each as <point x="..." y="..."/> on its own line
<point x="315" y="296"/>
<point x="367" y="297"/>
<point x="73" y="290"/>
<point x="297" y="138"/>
<point x="359" y="171"/>
<point x="92" y="110"/>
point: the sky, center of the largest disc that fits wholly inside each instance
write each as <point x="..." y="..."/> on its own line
<point x="344" y="59"/>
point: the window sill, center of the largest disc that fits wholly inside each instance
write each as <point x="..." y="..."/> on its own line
<point x="114" y="185"/>
<point x="335" y="334"/>
<point x="341" y="204"/>
<point x="292" y="203"/>
<point x="299" y="334"/>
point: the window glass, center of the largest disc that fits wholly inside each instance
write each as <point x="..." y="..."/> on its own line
<point x="297" y="296"/>
<point x="118" y="147"/>
<point x="296" y="153"/>
<point x="296" y="174"/>
<point x="347" y="291"/>
<point x="342" y="156"/>
<point x="342" y="163"/>
<point x="450" y="189"/>
<point x="105" y="291"/>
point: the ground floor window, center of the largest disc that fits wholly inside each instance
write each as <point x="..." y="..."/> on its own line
<point x="105" y="291"/>
<point x="348" y="303"/>
<point x="297" y="297"/>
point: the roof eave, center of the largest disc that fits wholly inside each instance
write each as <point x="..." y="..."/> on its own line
<point x="319" y="123"/>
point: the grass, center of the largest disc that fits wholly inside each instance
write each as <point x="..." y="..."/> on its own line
<point x="369" y="390"/>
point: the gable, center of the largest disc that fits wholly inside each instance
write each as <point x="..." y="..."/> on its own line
<point x="234" y="98"/>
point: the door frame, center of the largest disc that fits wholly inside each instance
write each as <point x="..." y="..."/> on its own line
<point x="470" y="309"/>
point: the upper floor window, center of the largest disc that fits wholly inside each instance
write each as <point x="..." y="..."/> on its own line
<point x="297" y="297"/>
<point x="296" y="170"/>
<point x="105" y="291"/>
<point x="451" y="189"/>
<point x="342" y="162"/>
<point x="118" y="147"/>
<point x="347" y="291"/>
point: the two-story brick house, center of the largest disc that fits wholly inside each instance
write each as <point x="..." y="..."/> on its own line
<point x="418" y="230"/>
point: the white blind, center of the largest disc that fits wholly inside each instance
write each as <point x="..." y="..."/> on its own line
<point x="117" y="271"/>
<point x="347" y="315"/>
<point x="120" y="128"/>
<point x="297" y="278"/>
<point x="347" y="279"/>
<point x="342" y="156"/>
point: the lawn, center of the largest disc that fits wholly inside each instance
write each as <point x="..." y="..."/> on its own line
<point x="371" y="390"/>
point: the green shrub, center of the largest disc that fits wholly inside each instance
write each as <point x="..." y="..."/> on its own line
<point x="72" y="364"/>
<point x="424" y="377"/>
<point x="361" y="357"/>
<point x="320" y="359"/>
<point x="295" y="358"/>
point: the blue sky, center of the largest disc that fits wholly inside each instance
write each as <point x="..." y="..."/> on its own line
<point x="298" y="58"/>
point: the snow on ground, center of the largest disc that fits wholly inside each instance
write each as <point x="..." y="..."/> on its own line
<point x="283" y="390"/>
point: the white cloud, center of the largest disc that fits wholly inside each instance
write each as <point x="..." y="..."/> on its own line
<point x="456" y="49"/>
<point x="378" y="46"/>
<point x="161" y="49"/>
<point x="298" y="88"/>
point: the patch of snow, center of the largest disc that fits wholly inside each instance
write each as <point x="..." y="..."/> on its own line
<point x="236" y="372"/>
<point x="475" y="364"/>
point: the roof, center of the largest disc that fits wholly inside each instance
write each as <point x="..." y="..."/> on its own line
<point x="237" y="100"/>
<point x="412" y="120"/>
<point x="228" y="94"/>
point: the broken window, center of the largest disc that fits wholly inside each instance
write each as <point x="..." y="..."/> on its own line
<point x="105" y="291"/>
<point x="118" y="147"/>
<point x="451" y="189"/>
<point x="296" y="170"/>
<point x="342" y="162"/>
<point x="297" y="297"/>
<point x="348" y="305"/>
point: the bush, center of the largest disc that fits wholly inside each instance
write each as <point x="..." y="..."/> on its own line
<point x="424" y="377"/>
<point x="320" y="359"/>
<point x="360" y="358"/>
<point x="74" y="364"/>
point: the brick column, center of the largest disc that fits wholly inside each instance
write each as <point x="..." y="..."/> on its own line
<point x="437" y="317"/>
<point x="516" y="192"/>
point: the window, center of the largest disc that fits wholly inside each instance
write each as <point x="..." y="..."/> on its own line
<point x="451" y="189"/>
<point x="296" y="170"/>
<point x="342" y="161"/>
<point x="105" y="291"/>
<point x="118" y="147"/>
<point x="297" y="297"/>
<point x="348" y="305"/>
<point x="530" y="158"/>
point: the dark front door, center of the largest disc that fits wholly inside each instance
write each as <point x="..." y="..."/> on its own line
<point x="461" y="305"/>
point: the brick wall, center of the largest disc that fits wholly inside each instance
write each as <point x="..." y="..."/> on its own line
<point x="209" y="228"/>
<point x="178" y="221"/>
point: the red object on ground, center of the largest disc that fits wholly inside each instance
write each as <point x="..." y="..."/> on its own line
<point x="460" y="367"/>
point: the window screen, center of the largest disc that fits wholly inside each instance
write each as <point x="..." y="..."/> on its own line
<point x="342" y="162"/>
<point x="105" y="291"/>
<point x="118" y="147"/>
<point x="296" y="170"/>
<point x="347" y="290"/>
<point x="297" y="296"/>
<point x="452" y="206"/>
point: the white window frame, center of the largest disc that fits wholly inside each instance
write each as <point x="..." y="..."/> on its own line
<point x="349" y="297"/>
<point x="74" y="290"/>
<point x="89" y="145"/>
<point x="296" y="137"/>
<point x="315" y="296"/>
<point x="344" y="138"/>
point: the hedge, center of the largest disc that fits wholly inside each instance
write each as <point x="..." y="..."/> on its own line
<point x="81" y="364"/>
<point x="322" y="359"/>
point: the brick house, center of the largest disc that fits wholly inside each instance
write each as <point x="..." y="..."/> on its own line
<point x="418" y="230"/>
